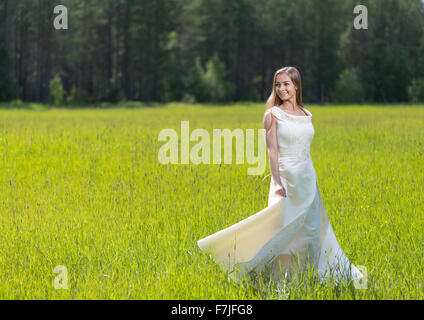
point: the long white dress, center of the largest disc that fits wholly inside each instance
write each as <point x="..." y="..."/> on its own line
<point x="293" y="231"/>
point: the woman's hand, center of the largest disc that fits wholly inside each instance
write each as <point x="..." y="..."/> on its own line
<point x="281" y="191"/>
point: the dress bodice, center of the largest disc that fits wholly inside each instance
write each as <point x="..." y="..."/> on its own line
<point x="294" y="134"/>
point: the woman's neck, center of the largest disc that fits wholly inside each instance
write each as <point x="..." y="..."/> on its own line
<point x="290" y="105"/>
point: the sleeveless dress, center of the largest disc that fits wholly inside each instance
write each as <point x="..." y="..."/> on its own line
<point x="293" y="232"/>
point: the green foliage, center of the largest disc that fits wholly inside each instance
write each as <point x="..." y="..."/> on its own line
<point x="19" y="104"/>
<point x="188" y="98"/>
<point x="195" y="84"/>
<point x="416" y="90"/>
<point x="56" y="91"/>
<point x="348" y="87"/>
<point x="387" y="55"/>
<point x="215" y="78"/>
<point x="78" y="97"/>
<point x="210" y="85"/>
<point x="387" y="74"/>
<point x="137" y="51"/>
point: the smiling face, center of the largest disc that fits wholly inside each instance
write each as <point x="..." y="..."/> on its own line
<point x="285" y="88"/>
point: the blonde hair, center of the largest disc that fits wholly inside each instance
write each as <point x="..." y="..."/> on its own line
<point x="293" y="73"/>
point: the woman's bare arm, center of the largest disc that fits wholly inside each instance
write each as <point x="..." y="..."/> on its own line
<point x="270" y="126"/>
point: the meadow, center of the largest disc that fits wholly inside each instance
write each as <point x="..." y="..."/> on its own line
<point x="84" y="189"/>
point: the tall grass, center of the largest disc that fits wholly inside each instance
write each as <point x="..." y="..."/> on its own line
<point x="84" y="189"/>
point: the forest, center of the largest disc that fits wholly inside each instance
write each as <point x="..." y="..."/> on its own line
<point x="210" y="50"/>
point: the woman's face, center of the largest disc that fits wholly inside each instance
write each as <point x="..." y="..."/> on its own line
<point x="285" y="87"/>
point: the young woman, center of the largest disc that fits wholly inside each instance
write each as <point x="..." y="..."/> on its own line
<point x="293" y="232"/>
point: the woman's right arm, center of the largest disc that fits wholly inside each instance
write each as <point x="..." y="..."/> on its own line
<point x="270" y="126"/>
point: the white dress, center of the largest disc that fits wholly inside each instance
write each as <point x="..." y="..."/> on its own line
<point x="292" y="232"/>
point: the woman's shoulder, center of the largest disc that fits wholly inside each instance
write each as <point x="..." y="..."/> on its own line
<point x="277" y="113"/>
<point x="272" y="112"/>
<point x="269" y="119"/>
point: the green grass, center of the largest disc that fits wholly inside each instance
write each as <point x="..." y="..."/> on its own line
<point x="84" y="189"/>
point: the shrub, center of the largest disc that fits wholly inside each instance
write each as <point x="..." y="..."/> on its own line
<point x="219" y="88"/>
<point x="56" y="91"/>
<point x="78" y="97"/>
<point x="188" y="98"/>
<point x="194" y="82"/>
<point x="348" y="87"/>
<point x="210" y="85"/>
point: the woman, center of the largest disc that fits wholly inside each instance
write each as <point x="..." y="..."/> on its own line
<point x="293" y="232"/>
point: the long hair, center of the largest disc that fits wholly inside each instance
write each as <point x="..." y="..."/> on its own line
<point x="293" y="73"/>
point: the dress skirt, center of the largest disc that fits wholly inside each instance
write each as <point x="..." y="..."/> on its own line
<point x="292" y="233"/>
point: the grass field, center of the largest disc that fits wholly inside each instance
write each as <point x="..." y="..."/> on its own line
<point x="84" y="189"/>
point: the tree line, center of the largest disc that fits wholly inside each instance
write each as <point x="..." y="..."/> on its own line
<point x="210" y="50"/>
